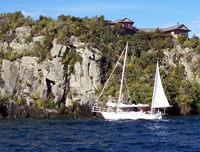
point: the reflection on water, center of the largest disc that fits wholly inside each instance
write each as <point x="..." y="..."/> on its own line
<point x="158" y="128"/>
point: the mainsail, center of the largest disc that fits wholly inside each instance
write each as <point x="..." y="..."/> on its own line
<point x="159" y="98"/>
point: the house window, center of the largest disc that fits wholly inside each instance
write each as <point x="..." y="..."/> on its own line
<point x="125" y="25"/>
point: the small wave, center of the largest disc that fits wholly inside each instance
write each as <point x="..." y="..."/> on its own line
<point x="171" y="134"/>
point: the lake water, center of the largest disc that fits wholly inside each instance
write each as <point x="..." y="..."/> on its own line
<point x="94" y="135"/>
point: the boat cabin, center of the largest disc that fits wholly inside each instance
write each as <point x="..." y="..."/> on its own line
<point x="111" y="106"/>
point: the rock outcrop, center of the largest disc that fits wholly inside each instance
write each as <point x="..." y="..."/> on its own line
<point x="185" y="57"/>
<point x="50" y="79"/>
<point x="21" y="33"/>
<point x="58" y="49"/>
<point x="19" y="43"/>
<point x="87" y="75"/>
<point x="13" y="110"/>
<point x="10" y="72"/>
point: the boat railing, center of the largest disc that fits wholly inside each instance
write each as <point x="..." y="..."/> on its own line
<point x="98" y="109"/>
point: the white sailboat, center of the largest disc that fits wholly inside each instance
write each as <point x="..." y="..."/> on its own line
<point x="116" y="111"/>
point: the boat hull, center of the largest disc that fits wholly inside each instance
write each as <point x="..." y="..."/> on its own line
<point x="130" y="115"/>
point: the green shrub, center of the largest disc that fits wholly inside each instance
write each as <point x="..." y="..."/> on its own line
<point x="62" y="108"/>
<point x="38" y="103"/>
<point x="181" y="39"/>
<point x="1" y="79"/>
<point x="72" y="57"/>
<point x="198" y="49"/>
<point x="49" y="103"/>
<point x="20" y="100"/>
<point x="194" y="41"/>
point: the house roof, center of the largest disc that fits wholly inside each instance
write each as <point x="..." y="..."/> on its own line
<point x="147" y="29"/>
<point x="178" y="26"/>
<point x="168" y="29"/>
<point x="125" y="20"/>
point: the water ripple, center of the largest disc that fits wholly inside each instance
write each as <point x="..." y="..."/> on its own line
<point x="91" y="135"/>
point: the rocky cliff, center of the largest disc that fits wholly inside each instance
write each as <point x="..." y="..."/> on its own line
<point x="184" y="57"/>
<point x="52" y="79"/>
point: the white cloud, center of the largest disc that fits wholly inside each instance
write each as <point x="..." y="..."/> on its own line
<point x="197" y="34"/>
<point x="195" y="27"/>
<point x="34" y="15"/>
<point x="91" y="7"/>
<point x="196" y="23"/>
<point x="168" y="24"/>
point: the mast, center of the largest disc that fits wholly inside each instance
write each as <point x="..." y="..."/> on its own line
<point x="123" y="71"/>
<point x="110" y="75"/>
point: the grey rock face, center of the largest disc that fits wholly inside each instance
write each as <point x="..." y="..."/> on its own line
<point x="4" y="47"/>
<point x="58" y="50"/>
<point x="43" y="88"/>
<point x="188" y="70"/>
<point x="22" y="32"/>
<point x="75" y="42"/>
<point x="34" y="80"/>
<point x="58" y="91"/>
<point x="54" y="78"/>
<point x="87" y="75"/>
<point x="10" y="71"/>
<point x="55" y="70"/>
<point x="28" y="75"/>
<point x="18" y="44"/>
<point x="169" y="56"/>
<point x="180" y="56"/>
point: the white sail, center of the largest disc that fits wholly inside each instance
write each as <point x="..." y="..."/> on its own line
<point x="159" y="98"/>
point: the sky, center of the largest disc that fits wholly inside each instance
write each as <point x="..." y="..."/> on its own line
<point x="145" y="13"/>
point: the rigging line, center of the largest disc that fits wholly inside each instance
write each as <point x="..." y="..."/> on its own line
<point x="110" y="76"/>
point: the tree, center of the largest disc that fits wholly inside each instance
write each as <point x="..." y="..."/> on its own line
<point x="181" y="39"/>
<point x="194" y="41"/>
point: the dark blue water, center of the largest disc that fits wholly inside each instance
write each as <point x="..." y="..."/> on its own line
<point x="85" y="135"/>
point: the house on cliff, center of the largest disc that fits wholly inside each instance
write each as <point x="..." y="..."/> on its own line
<point x="127" y="24"/>
<point x="175" y="31"/>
